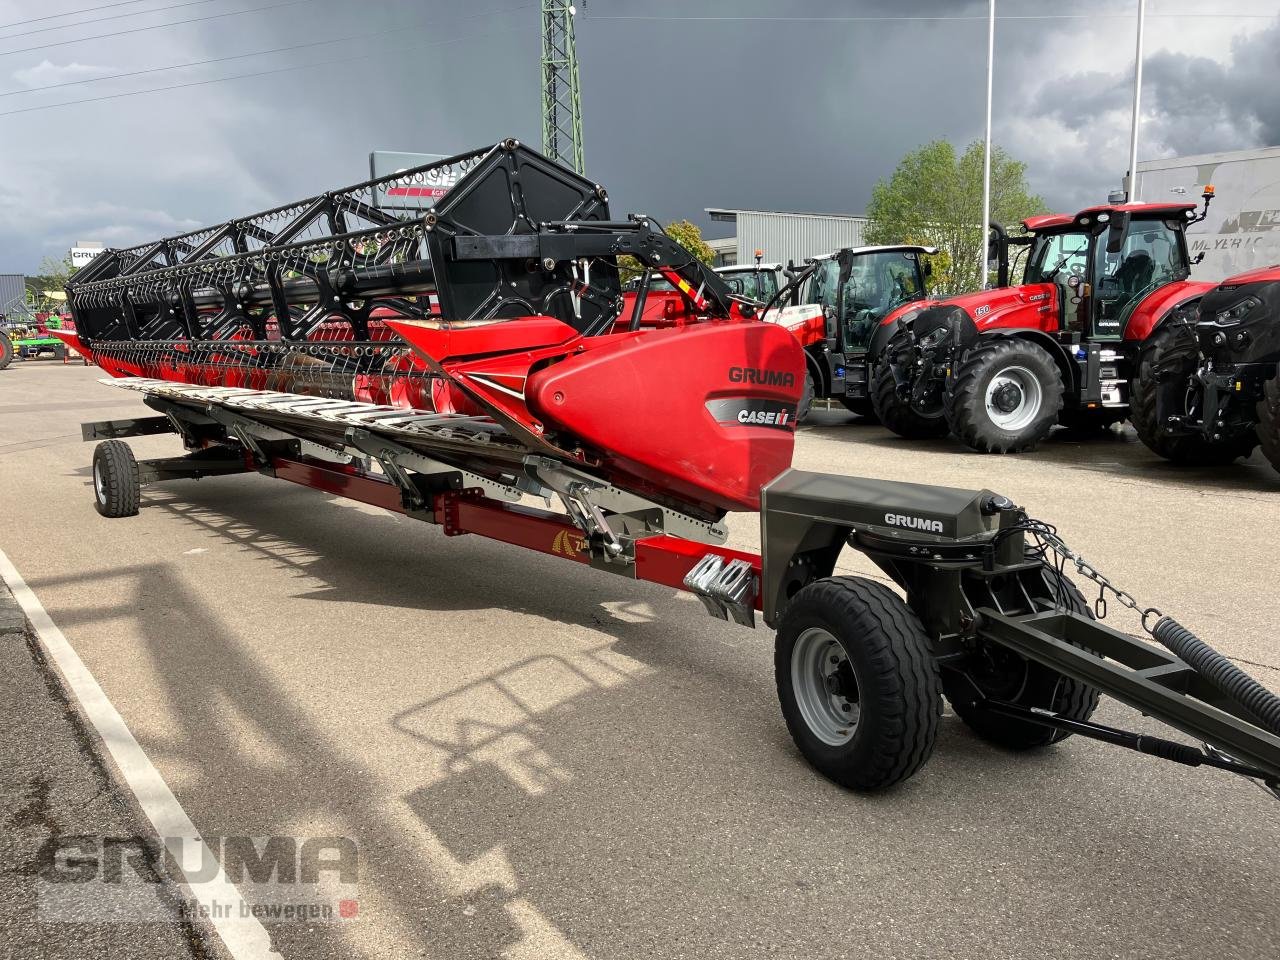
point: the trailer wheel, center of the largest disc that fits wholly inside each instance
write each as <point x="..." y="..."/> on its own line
<point x="1268" y="426"/>
<point x="6" y="350"/>
<point x="1004" y="396"/>
<point x="1166" y="366"/>
<point x="116" y="490"/>
<point x="896" y="412"/>
<point x="1000" y="674"/>
<point x="857" y="682"/>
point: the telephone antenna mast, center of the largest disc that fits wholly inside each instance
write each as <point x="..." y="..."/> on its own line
<point x="561" y="92"/>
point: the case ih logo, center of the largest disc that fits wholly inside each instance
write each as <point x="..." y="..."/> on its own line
<point x="753" y="412"/>
<point x="765" y="418"/>
<point x="765" y="378"/>
<point x="568" y="544"/>
<point x="913" y="523"/>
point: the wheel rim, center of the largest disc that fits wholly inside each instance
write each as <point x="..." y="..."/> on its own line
<point x="1014" y="398"/>
<point x="99" y="483"/>
<point x="825" y="686"/>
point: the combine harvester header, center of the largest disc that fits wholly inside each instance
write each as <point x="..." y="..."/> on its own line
<point x="458" y="361"/>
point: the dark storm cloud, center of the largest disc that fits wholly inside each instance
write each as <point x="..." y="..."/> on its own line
<point x="679" y="113"/>
<point x="1191" y="104"/>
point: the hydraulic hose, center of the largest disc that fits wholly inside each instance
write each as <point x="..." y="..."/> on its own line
<point x="1221" y="672"/>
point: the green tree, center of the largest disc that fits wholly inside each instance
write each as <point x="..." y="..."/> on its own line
<point x="51" y="278"/>
<point x="682" y="232"/>
<point x="934" y="198"/>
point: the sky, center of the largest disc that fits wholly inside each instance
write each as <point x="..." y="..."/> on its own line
<point x="687" y="104"/>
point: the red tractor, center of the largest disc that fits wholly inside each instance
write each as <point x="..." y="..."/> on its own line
<point x="1207" y="387"/>
<point x="1000" y="368"/>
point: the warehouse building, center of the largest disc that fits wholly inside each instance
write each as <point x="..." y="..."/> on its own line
<point x="784" y="236"/>
<point x="1242" y="230"/>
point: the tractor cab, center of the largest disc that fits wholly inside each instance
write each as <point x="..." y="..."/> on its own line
<point x="858" y="287"/>
<point x="1106" y="260"/>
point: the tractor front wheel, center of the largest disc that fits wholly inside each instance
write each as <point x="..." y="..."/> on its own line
<point x="116" y="490"/>
<point x="1166" y="370"/>
<point x="857" y="682"/>
<point x="896" y="411"/>
<point x="1269" y="421"/>
<point x="6" y="350"/>
<point x="1004" y="396"/>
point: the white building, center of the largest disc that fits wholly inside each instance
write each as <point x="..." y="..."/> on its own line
<point x="784" y="236"/>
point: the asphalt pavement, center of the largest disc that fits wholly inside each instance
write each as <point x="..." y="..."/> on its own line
<point x="536" y="760"/>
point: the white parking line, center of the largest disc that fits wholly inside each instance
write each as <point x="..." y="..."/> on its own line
<point x="243" y="934"/>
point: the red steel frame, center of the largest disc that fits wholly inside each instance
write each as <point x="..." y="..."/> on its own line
<point x="660" y="559"/>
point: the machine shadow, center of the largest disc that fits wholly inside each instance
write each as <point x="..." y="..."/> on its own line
<point x="1115" y="453"/>
<point x="589" y="800"/>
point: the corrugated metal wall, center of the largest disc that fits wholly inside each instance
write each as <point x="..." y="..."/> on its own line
<point x="13" y="292"/>
<point x="784" y="236"/>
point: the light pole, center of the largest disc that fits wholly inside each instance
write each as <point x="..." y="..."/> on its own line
<point x="986" y="155"/>
<point x="1132" y="193"/>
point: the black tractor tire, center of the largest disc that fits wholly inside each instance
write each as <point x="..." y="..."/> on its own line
<point x="860" y="407"/>
<point x="1012" y="361"/>
<point x="1173" y="346"/>
<point x="1269" y="421"/>
<point x="60" y="352"/>
<point x="876" y="651"/>
<point x="805" y="406"/>
<point x="1008" y="676"/>
<point x="116" y="490"/>
<point x="896" y="413"/>
<point x="6" y="350"/>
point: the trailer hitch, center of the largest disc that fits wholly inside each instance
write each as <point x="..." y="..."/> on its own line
<point x="1182" y="753"/>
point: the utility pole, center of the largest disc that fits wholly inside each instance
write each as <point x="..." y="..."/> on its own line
<point x="986" y="153"/>
<point x="1132" y="193"/>
<point x="561" y="93"/>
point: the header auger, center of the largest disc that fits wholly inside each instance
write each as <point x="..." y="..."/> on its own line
<point x="459" y="362"/>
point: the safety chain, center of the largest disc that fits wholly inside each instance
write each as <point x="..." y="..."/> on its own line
<point x="1050" y="539"/>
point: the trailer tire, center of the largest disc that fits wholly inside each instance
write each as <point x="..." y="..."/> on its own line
<point x="1269" y="421"/>
<point x="1174" y="347"/>
<point x="883" y="664"/>
<point x="6" y="350"/>
<point x="1004" y="370"/>
<point x="1023" y="682"/>
<point x="117" y="492"/>
<point x="896" y="413"/>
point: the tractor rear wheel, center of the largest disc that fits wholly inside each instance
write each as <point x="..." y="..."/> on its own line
<point x="896" y="411"/>
<point x="117" y="492"/>
<point x="1269" y="421"/>
<point x="997" y="673"/>
<point x="6" y="350"/>
<point x="1004" y="396"/>
<point x="1166" y="368"/>
<point x="857" y="682"/>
